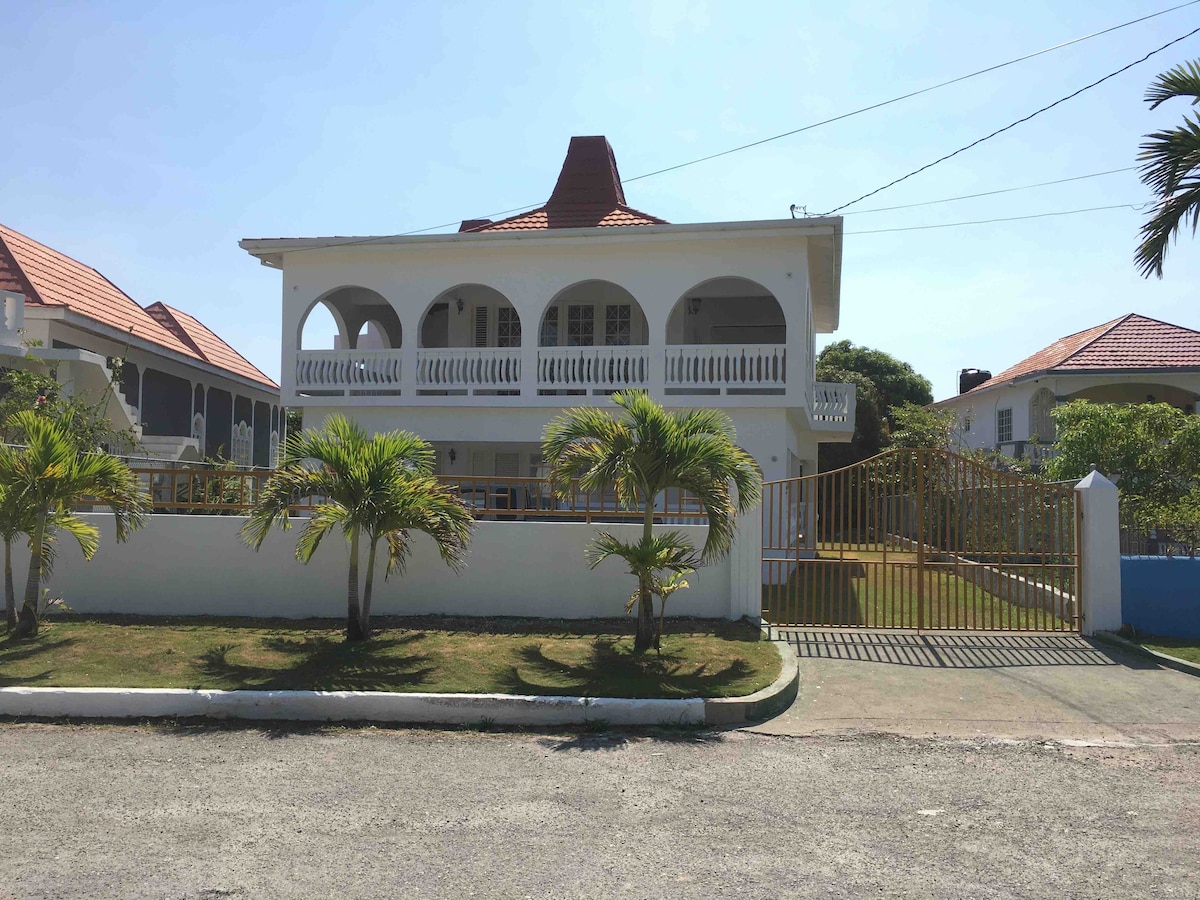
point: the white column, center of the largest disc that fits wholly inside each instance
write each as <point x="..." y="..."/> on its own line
<point x="745" y="567"/>
<point x="1100" y="544"/>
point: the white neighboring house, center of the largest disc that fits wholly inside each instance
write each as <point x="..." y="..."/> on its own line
<point x="489" y="333"/>
<point x="183" y="391"/>
<point x="1133" y="359"/>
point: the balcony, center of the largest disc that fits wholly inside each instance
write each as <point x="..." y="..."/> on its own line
<point x="584" y="368"/>
<point x="475" y="369"/>
<point x="727" y="369"/>
<point x="832" y="406"/>
<point x="714" y="374"/>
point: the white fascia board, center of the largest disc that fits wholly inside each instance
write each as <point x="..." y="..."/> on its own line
<point x="86" y="323"/>
<point x="270" y="250"/>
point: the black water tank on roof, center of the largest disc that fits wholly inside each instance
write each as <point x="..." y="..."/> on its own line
<point x="972" y="378"/>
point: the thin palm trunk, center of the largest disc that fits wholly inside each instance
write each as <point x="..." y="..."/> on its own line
<point x="27" y="624"/>
<point x="646" y="637"/>
<point x="354" y="630"/>
<point x="10" y="594"/>
<point x="365" y="618"/>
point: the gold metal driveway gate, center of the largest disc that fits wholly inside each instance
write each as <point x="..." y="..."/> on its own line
<point x="921" y="539"/>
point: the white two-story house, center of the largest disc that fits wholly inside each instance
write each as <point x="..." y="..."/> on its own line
<point x="488" y="333"/>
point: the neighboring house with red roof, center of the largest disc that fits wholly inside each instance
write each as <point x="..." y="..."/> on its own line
<point x="1133" y="359"/>
<point x="488" y="333"/>
<point x="185" y="392"/>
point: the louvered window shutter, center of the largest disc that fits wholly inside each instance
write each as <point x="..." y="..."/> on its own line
<point x="481" y="326"/>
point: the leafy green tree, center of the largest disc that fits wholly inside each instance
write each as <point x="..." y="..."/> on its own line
<point x="923" y="426"/>
<point x="1170" y="167"/>
<point x="377" y="488"/>
<point x="640" y="455"/>
<point x="43" y="483"/>
<point x="1151" y="450"/>
<point x="40" y="391"/>
<point x="882" y="383"/>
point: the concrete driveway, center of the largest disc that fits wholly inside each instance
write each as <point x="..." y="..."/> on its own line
<point x="1061" y="687"/>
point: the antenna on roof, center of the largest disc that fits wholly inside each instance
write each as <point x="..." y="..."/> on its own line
<point x="803" y="210"/>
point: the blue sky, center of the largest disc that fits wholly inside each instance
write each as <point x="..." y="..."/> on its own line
<point x="146" y="138"/>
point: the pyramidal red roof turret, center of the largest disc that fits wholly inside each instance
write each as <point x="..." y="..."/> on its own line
<point x="588" y="194"/>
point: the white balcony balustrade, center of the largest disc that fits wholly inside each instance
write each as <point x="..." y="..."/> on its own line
<point x="732" y="368"/>
<point x="459" y="368"/>
<point x="335" y="372"/>
<point x="831" y="406"/>
<point x="582" y="368"/>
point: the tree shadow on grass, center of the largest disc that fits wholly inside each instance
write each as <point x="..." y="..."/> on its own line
<point x="318" y="663"/>
<point x="612" y="672"/>
<point x="13" y="651"/>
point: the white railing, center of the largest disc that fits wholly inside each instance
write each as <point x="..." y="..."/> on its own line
<point x="330" y="370"/>
<point x="599" y="367"/>
<point x="725" y="366"/>
<point x="469" y="367"/>
<point x="832" y="405"/>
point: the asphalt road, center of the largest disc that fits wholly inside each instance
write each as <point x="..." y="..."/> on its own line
<point x="125" y="811"/>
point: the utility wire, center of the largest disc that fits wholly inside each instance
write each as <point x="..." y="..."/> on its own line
<point x="1024" y="187"/>
<point x="917" y="93"/>
<point x="1136" y="207"/>
<point x="1011" y="125"/>
<point x="809" y="127"/>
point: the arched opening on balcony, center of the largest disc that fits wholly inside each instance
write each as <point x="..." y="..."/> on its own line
<point x="592" y="339"/>
<point x="343" y="317"/>
<point x="1138" y="392"/>
<point x="726" y="335"/>
<point x="345" y="339"/>
<point x="470" y="342"/>
<point x="470" y="315"/>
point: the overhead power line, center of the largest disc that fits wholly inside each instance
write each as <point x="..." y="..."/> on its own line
<point x="1023" y="119"/>
<point x="804" y="128"/>
<point x="917" y="93"/>
<point x="1023" y="187"/>
<point x="1136" y="207"/>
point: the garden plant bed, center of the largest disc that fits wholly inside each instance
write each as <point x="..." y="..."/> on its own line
<point x="434" y="654"/>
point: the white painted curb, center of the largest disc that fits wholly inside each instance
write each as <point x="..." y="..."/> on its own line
<point x="331" y="706"/>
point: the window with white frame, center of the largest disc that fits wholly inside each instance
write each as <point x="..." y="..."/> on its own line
<point x="581" y="326"/>
<point x="618" y="324"/>
<point x="549" y="335"/>
<point x="508" y="327"/>
<point x="1004" y="426"/>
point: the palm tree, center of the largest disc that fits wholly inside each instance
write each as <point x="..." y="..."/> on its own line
<point x="378" y="488"/>
<point x="45" y="481"/>
<point x="1171" y="168"/>
<point x="640" y="455"/>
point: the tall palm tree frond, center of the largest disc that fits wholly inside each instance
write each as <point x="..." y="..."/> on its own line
<point x="1170" y="167"/>
<point x="1181" y="81"/>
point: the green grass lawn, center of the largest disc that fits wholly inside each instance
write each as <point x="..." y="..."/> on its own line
<point x="700" y="658"/>
<point x="867" y="592"/>
<point x="1181" y="648"/>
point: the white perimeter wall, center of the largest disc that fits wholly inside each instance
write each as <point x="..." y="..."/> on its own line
<point x="197" y="565"/>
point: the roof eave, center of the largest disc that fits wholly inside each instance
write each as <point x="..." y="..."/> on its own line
<point x="270" y="250"/>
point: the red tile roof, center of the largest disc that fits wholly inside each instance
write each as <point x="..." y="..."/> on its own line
<point x="49" y="278"/>
<point x="206" y="342"/>
<point x="588" y="194"/>
<point x="1131" y="342"/>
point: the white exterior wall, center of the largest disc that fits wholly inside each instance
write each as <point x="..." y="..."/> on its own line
<point x="197" y="565"/>
<point x="657" y="273"/>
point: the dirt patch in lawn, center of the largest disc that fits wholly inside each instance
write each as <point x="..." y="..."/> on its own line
<point x="700" y="658"/>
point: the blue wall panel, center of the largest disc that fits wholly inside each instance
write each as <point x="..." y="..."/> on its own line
<point x="1161" y="595"/>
